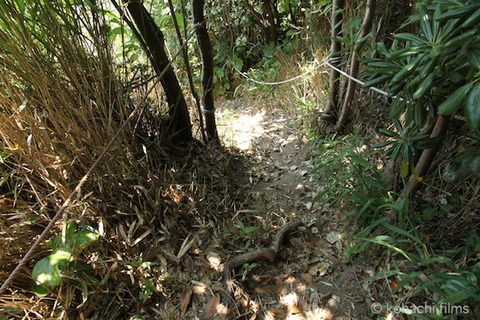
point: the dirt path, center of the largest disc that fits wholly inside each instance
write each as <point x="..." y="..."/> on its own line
<point x="308" y="280"/>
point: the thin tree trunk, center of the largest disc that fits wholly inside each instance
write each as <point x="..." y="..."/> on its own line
<point x="335" y="48"/>
<point x="195" y="96"/>
<point x="259" y="18"/>
<point x="421" y="168"/>
<point x="272" y="17"/>
<point x="355" y="65"/>
<point x="180" y="126"/>
<point x="425" y="161"/>
<point x="207" y="69"/>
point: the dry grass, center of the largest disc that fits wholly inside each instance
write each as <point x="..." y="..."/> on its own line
<point x="61" y="102"/>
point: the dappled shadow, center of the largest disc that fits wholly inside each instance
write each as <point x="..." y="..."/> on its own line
<point x="187" y="211"/>
<point x="309" y="279"/>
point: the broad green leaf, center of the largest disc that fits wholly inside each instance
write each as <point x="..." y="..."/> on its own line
<point x="407" y="154"/>
<point x="461" y="39"/>
<point x="401" y="231"/>
<point x="382" y="64"/>
<point x="147" y="264"/>
<point x="451" y="105"/>
<point x="81" y="239"/>
<point x="425" y="26"/>
<point x="428" y="213"/>
<point x="396" y="88"/>
<point x="476" y="271"/>
<point x="428" y="68"/>
<point x="457" y="13"/>
<point x="435" y="22"/>
<point x="423" y="87"/>
<point x="472" y="108"/>
<point x="419" y="114"/>
<point x="410" y="37"/>
<point x="412" y="85"/>
<point x="470" y="277"/>
<point x="377" y="80"/>
<point x="407" y="69"/>
<point x="180" y="20"/>
<point x="40" y="290"/>
<point x="394" y="151"/>
<point x="84" y="291"/>
<point x="219" y="73"/>
<point x="405" y="53"/>
<point x="388" y="133"/>
<point x="457" y="290"/>
<point x="114" y="33"/>
<point x="250" y="229"/>
<point x="450" y="29"/>
<point x="398" y="125"/>
<point x="47" y="272"/>
<point x="240" y="224"/>
<point x="60" y="258"/>
<point x="396" y="108"/>
<point x="474" y="56"/>
<point x="473" y="20"/>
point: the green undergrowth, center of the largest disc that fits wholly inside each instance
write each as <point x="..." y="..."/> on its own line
<point x="411" y="269"/>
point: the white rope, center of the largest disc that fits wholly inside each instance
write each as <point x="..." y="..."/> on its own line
<point x="325" y="62"/>
<point x="246" y="76"/>
<point x="356" y="80"/>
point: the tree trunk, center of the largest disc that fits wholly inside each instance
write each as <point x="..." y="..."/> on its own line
<point x="329" y="112"/>
<point x="188" y="69"/>
<point x="421" y="168"/>
<point x="207" y="69"/>
<point x="180" y="126"/>
<point x="272" y="17"/>
<point x="270" y="30"/>
<point x="425" y="161"/>
<point x="355" y="65"/>
<point x="258" y="17"/>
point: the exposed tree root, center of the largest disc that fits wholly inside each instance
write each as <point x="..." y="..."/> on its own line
<point x="269" y="254"/>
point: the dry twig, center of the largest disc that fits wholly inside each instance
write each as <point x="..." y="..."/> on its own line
<point x="269" y="254"/>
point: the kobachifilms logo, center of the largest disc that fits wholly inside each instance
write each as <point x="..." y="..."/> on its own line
<point x="410" y="308"/>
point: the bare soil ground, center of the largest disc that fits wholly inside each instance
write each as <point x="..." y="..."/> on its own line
<point x="308" y="280"/>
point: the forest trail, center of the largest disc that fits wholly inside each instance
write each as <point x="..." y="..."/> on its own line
<point x="308" y="280"/>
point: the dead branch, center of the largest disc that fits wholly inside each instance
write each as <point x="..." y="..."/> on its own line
<point x="269" y="254"/>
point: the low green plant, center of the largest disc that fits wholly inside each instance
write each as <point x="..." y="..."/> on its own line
<point x="226" y="77"/>
<point x="247" y="267"/>
<point x="346" y="178"/>
<point x="147" y="287"/>
<point x="351" y="183"/>
<point x="445" y="279"/>
<point x="50" y="271"/>
<point x="447" y="283"/>
<point x="245" y="233"/>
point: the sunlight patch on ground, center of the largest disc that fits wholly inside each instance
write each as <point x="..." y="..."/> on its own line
<point x="240" y="130"/>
